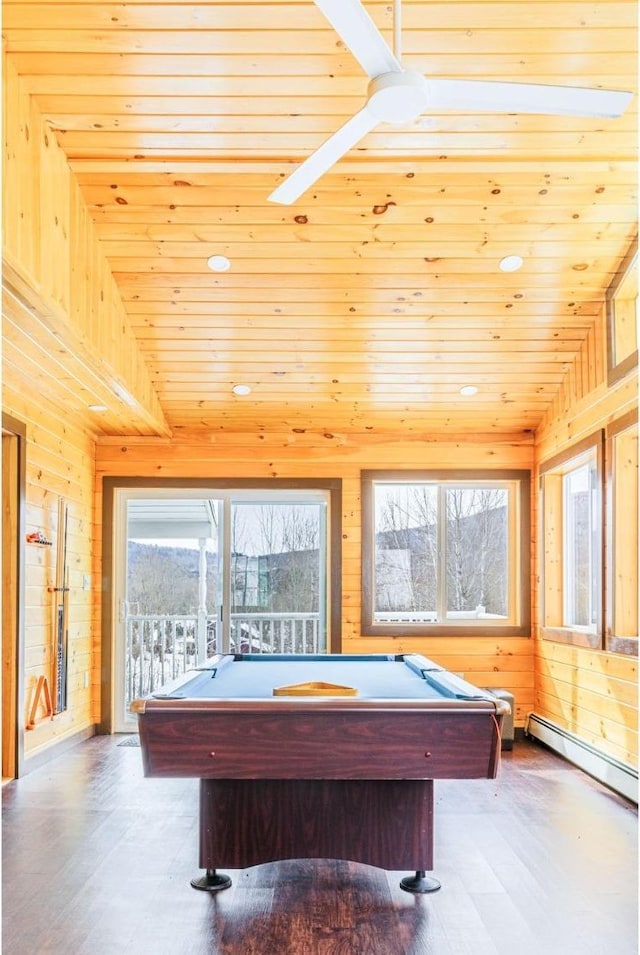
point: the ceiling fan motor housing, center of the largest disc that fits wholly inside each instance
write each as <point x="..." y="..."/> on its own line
<point x="397" y="97"/>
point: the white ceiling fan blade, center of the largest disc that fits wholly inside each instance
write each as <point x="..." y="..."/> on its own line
<point x="353" y="24"/>
<point x="526" y="98"/>
<point x="324" y="157"/>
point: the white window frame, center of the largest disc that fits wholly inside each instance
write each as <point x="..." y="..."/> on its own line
<point x="588" y="463"/>
<point x="556" y="559"/>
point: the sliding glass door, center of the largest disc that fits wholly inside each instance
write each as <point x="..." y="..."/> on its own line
<point x="199" y="572"/>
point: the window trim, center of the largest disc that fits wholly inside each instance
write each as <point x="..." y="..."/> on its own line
<point x="613" y="642"/>
<point x="520" y="579"/>
<point x="559" y="633"/>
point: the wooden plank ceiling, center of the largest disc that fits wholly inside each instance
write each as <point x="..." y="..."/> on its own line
<point x="370" y="302"/>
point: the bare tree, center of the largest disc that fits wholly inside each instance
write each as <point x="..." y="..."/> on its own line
<point x="407" y="548"/>
<point x="476" y="548"/>
<point x="281" y="572"/>
<point x="162" y="580"/>
<point x="298" y="579"/>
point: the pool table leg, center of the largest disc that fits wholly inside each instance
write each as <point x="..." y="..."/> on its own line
<point x="212" y="881"/>
<point x="419" y="883"/>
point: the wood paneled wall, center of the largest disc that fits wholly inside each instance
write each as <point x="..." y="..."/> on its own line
<point x="591" y="693"/>
<point x="488" y="661"/>
<point x="65" y="344"/>
<point x="60" y="464"/>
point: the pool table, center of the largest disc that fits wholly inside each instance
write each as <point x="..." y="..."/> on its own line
<point x="319" y="756"/>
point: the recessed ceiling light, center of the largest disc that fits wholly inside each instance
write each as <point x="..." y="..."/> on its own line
<point x="218" y="263"/>
<point x="241" y="390"/>
<point x="469" y="390"/>
<point x="97" y="408"/>
<point x="510" y="263"/>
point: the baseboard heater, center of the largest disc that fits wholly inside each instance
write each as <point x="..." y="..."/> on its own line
<point x="619" y="776"/>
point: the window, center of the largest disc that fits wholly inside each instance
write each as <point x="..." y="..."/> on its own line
<point x="571" y="511"/>
<point x="622" y="535"/>
<point x="445" y="552"/>
<point x="580" y="544"/>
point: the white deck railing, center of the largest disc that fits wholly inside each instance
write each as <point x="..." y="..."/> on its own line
<point x="276" y="633"/>
<point x="160" y="647"/>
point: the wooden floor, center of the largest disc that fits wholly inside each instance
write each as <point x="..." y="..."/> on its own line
<point x="97" y="861"/>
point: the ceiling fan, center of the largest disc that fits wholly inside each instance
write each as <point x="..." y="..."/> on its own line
<point x="398" y="96"/>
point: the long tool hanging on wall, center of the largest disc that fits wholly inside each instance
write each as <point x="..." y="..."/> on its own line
<point x="61" y="612"/>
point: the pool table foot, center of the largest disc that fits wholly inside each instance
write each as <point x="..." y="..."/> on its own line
<point x="212" y="881"/>
<point x="420" y="882"/>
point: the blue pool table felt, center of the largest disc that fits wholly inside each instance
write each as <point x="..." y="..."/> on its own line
<point x="374" y="677"/>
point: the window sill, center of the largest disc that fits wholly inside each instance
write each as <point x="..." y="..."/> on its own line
<point x="471" y="629"/>
<point x="627" y="646"/>
<point x="573" y="636"/>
